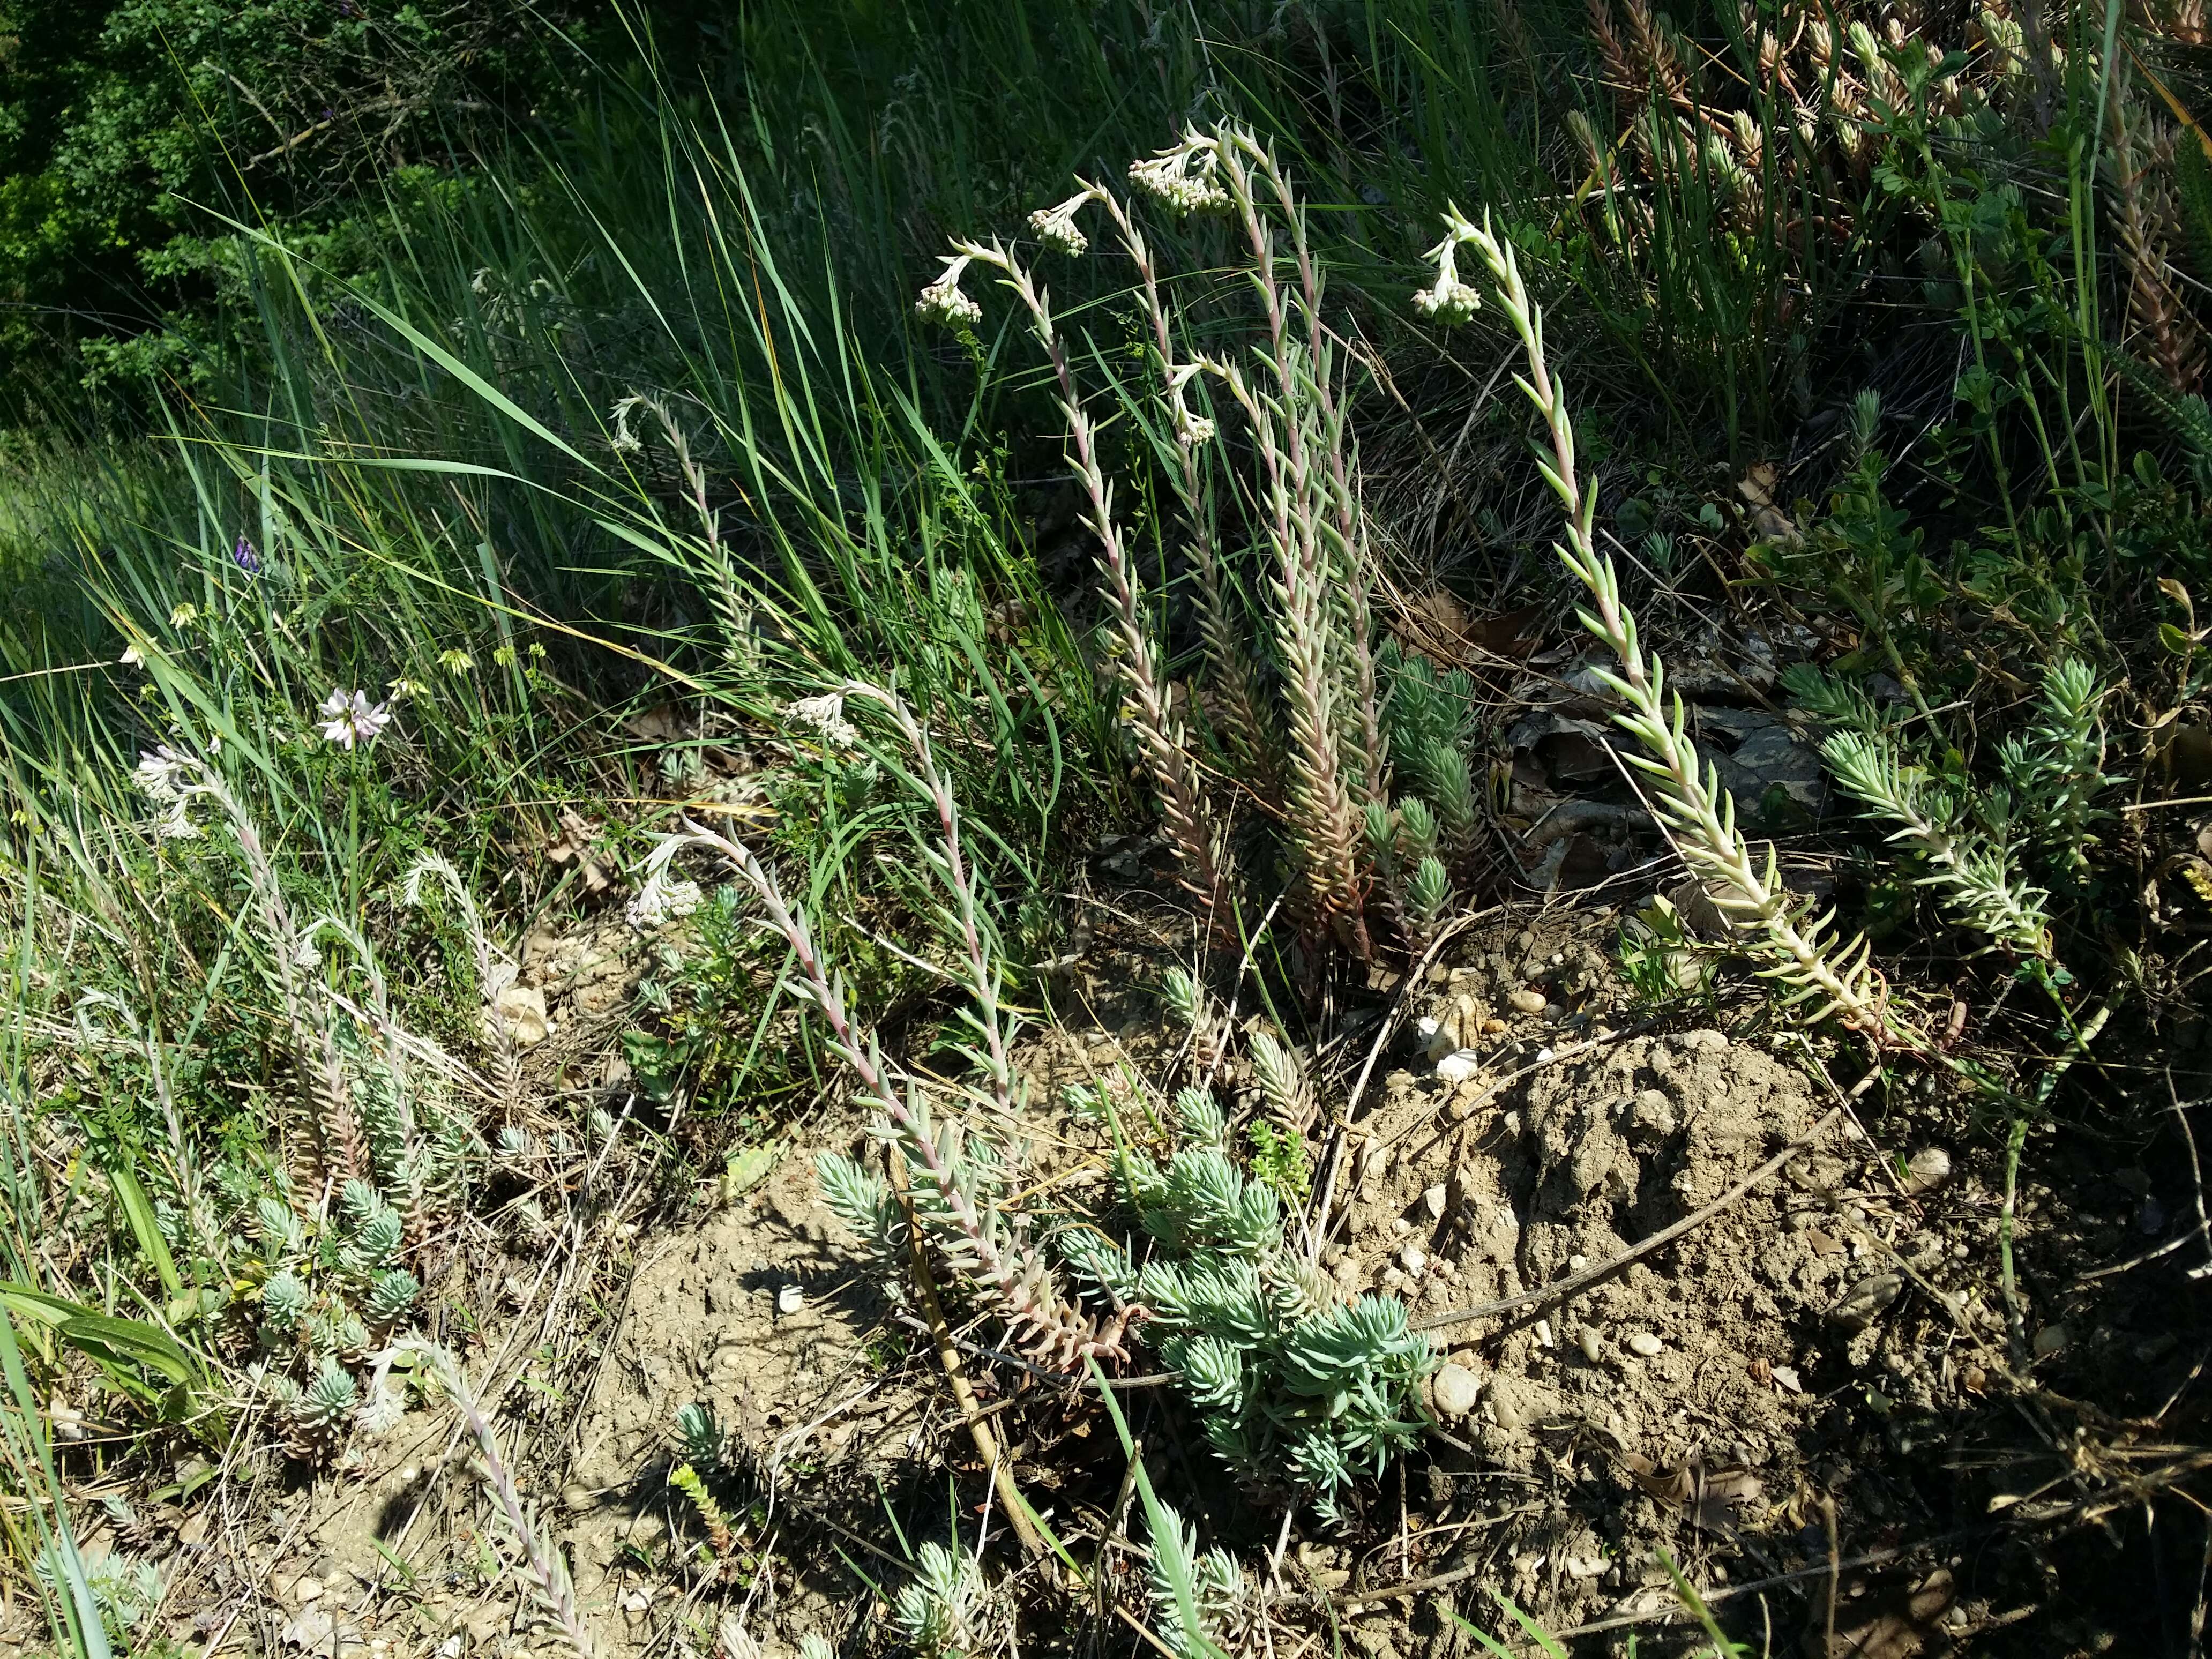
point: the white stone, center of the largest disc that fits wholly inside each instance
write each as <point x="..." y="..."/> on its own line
<point x="1929" y="1168"/>
<point x="790" y="1299"/>
<point x="1646" y="1345"/>
<point x="1433" y="1200"/>
<point x="1456" y="1390"/>
<point x="1459" y="1066"/>
<point x="521" y="1008"/>
<point x="1413" y="1259"/>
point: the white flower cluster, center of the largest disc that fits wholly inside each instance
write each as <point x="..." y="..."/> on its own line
<point x="1170" y="177"/>
<point x="1056" y="228"/>
<point x="1190" y="428"/>
<point x="625" y="440"/>
<point x="663" y="897"/>
<point x="1449" y="300"/>
<point x="349" y="718"/>
<point x="826" y="714"/>
<point x="942" y="301"/>
<point x="169" y="780"/>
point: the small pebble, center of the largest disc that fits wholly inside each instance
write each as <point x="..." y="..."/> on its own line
<point x="2050" y="1340"/>
<point x="1413" y="1259"/>
<point x="1587" y="1340"/>
<point x="1927" y="1170"/>
<point x="1433" y="1200"/>
<point x="1645" y="1346"/>
<point x="1864" y="1303"/>
<point x="1401" y="1226"/>
<point x="790" y="1299"/>
<point x="1544" y="1334"/>
<point x="1526" y="1001"/>
<point x="1459" y="1066"/>
<point x="1575" y="1263"/>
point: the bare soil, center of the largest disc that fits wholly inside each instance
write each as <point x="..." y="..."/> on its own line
<point x="1819" y="1403"/>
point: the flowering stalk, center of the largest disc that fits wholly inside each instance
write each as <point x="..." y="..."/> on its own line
<point x="983" y="976"/>
<point x="1221" y="628"/>
<point x="493" y="973"/>
<point x="541" y="1558"/>
<point x="1167" y="756"/>
<point x="1015" y="1274"/>
<point x="725" y="591"/>
<point x="1323" y="819"/>
<point x="1341" y="757"/>
<point x="1697" y="811"/>
<point x="339" y="1151"/>
<point x="1343" y="517"/>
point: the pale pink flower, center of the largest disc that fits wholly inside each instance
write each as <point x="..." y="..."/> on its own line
<point x="349" y="718"/>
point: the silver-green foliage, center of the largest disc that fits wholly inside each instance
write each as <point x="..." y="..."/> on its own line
<point x="1970" y="841"/>
<point x="945" y="1607"/>
<point x="283" y="1300"/>
<point x="1210" y="1583"/>
<point x="1429" y="719"/>
<point x="1294" y="1385"/>
<point x="323" y="1406"/>
<point x="699" y="1437"/>
<point x="374" y="1230"/>
<point x="390" y="1296"/>
<point x="124" y="1587"/>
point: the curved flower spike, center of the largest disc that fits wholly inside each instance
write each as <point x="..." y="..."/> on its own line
<point x="1189" y="428"/>
<point x="1056" y="228"/>
<point x="1170" y="177"/>
<point x="942" y="301"/>
<point x="1448" y="300"/>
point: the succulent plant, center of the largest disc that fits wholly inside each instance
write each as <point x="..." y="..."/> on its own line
<point x="699" y="1436"/>
<point x="325" y="1403"/>
<point x="390" y="1296"/>
<point x="283" y="1300"/>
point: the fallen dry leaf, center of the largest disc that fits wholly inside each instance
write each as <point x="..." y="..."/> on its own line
<point x="1709" y="1498"/>
<point x="1757" y="487"/>
<point x="657" y="724"/>
<point x="522" y="1009"/>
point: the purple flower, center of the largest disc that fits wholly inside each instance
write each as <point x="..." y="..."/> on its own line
<point x="349" y="718"/>
<point x="248" y="559"/>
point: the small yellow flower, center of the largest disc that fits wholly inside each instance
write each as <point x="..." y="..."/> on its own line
<point x="457" y="662"/>
<point x="184" y="616"/>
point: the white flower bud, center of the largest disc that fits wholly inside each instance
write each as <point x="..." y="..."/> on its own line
<point x="1056" y="228"/>
<point x="1450" y="301"/>
<point x="942" y="301"/>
